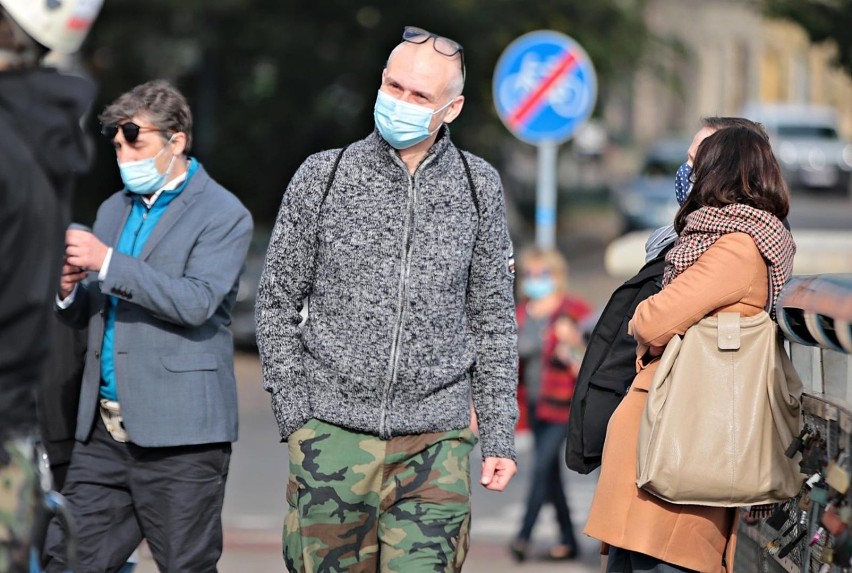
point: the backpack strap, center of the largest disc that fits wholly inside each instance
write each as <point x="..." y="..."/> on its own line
<point x="333" y="173"/>
<point x="330" y="181"/>
<point x="469" y="181"/>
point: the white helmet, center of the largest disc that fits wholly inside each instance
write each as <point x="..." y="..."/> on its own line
<point x="59" y="25"/>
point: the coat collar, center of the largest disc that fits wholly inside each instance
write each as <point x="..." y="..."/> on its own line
<point x="193" y="187"/>
<point x="196" y="185"/>
<point x="438" y="149"/>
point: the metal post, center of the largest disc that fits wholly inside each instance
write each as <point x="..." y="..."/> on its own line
<point x="545" y="210"/>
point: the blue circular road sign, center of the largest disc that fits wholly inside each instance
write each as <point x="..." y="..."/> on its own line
<point x="544" y="87"/>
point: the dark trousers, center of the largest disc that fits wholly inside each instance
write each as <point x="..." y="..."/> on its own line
<point x="120" y="492"/>
<point x="546" y="484"/>
<point x="625" y="561"/>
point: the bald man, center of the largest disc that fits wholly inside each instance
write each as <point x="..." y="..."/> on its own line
<point x="398" y="246"/>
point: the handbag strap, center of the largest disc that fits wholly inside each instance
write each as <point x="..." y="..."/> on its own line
<point x="728" y="330"/>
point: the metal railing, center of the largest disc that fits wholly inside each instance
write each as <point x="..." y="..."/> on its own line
<point x="815" y="314"/>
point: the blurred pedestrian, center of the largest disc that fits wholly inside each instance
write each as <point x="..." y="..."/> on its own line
<point x="733" y="254"/>
<point x="154" y="281"/>
<point x="399" y="243"/>
<point x="42" y="150"/>
<point x="550" y="349"/>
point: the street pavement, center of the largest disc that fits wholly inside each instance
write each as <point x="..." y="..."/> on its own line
<point x="255" y="505"/>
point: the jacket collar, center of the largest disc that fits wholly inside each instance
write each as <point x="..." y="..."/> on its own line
<point x="197" y="184"/>
<point x="438" y="149"/>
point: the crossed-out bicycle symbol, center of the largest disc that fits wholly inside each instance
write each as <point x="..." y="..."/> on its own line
<point x="569" y="96"/>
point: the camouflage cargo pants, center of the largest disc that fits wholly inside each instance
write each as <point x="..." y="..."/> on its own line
<point x="19" y="487"/>
<point x="361" y="504"/>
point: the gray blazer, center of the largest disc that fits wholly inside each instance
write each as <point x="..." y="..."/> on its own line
<point x="173" y="349"/>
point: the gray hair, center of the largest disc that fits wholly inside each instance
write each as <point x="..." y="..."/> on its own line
<point x="456" y="86"/>
<point x="157" y="100"/>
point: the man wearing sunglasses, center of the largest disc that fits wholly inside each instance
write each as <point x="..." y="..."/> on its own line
<point x="42" y="150"/>
<point x="154" y="281"/>
<point x="398" y="246"/>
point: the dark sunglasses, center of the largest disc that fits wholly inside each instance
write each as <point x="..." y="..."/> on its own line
<point x="441" y="44"/>
<point x="130" y="131"/>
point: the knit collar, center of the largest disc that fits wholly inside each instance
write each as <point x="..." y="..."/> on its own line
<point x="442" y="142"/>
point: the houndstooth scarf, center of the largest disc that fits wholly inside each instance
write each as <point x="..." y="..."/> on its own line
<point x="707" y="224"/>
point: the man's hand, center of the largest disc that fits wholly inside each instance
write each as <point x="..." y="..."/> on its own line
<point x="84" y="250"/>
<point x="497" y="472"/>
<point x="71" y="275"/>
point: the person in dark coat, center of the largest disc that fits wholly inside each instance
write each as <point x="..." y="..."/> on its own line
<point x="42" y="150"/>
<point x="59" y="396"/>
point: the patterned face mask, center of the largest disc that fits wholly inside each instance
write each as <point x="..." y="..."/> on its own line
<point x="683" y="185"/>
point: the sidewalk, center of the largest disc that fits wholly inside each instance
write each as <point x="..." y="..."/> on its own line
<point x="260" y="552"/>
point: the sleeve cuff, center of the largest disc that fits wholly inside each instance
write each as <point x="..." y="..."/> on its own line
<point x="105" y="266"/>
<point x="503" y="447"/>
<point x="63" y="303"/>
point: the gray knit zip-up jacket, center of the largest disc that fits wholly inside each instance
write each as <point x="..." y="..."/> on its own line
<point x="409" y="295"/>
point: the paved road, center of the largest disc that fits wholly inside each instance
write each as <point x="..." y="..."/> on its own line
<point x="255" y="504"/>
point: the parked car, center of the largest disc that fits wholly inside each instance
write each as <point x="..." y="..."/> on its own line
<point x="242" y="315"/>
<point x="647" y="201"/>
<point x="807" y="144"/>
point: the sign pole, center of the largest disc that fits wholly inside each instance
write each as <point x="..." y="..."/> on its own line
<point x="545" y="210"/>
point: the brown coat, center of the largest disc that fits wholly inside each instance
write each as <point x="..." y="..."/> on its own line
<point x="730" y="276"/>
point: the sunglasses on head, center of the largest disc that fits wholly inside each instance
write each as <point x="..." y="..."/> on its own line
<point x="129" y="130"/>
<point x="442" y="45"/>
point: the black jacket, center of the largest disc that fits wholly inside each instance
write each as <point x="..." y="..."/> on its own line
<point x="42" y="148"/>
<point x="59" y="391"/>
<point x="608" y="368"/>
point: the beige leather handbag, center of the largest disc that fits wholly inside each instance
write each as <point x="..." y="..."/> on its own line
<point x="724" y="404"/>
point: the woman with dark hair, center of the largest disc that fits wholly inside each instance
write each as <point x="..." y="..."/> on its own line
<point x="733" y="254"/>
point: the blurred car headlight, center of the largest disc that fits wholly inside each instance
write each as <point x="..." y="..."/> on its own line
<point x="816" y="159"/>
<point x="787" y="153"/>
<point x="846" y="157"/>
<point x="633" y="203"/>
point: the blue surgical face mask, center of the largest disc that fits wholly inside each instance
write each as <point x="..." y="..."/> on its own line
<point x="142" y="177"/>
<point x="538" y="287"/>
<point x="403" y="124"/>
<point x="683" y="185"/>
